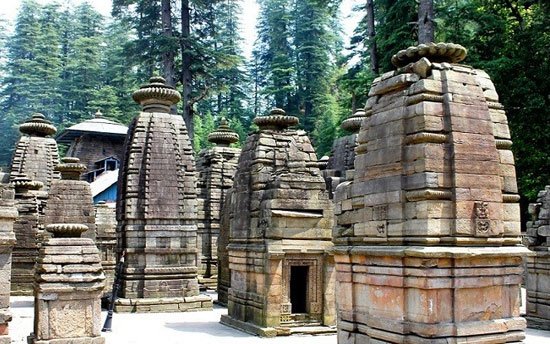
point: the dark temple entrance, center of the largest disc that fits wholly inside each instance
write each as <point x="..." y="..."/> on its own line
<point x="298" y="288"/>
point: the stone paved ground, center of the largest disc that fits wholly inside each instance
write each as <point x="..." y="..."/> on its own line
<point x="180" y="328"/>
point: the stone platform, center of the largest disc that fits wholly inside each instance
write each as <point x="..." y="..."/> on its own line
<point x="166" y="304"/>
<point x="178" y="328"/>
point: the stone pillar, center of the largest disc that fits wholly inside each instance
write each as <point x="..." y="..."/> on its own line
<point x="105" y="221"/>
<point x="36" y="152"/>
<point x="538" y="264"/>
<point x="340" y="163"/>
<point x="69" y="277"/>
<point x="282" y="277"/>
<point x="8" y="214"/>
<point x="28" y="230"/>
<point x="427" y="236"/>
<point x="216" y="168"/>
<point x="156" y="209"/>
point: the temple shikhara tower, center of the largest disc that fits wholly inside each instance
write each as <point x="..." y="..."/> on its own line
<point x="216" y="167"/>
<point x="36" y="153"/>
<point x="428" y="231"/>
<point x="8" y="214"/>
<point x="538" y="264"/>
<point x="282" y="277"/>
<point x="31" y="173"/>
<point x="156" y="209"/>
<point x="342" y="155"/>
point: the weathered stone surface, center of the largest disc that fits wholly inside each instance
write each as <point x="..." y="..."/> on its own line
<point x="36" y="152"/>
<point x="8" y="214"/>
<point x="216" y="168"/>
<point x="279" y="234"/>
<point x="68" y="276"/>
<point x="342" y="156"/>
<point x="105" y="221"/>
<point x="429" y="188"/>
<point x="538" y="264"/>
<point x="32" y="171"/>
<point x="156" y="209"/>
<point x="29" y="231"/>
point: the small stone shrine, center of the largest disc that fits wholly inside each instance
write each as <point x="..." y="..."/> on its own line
<point x="8" y="214"/>
<point x="156" y="209"/>
<point x="538" y="264"/>
<point x="282" y="278"/>
<point x="428" y="231"/>
<point x="29" y="232"/>
<point x="216" y="167"/>
<point x="342" y="155"/>
<point x="105" y="222"/>
<point x="69" y="277"/>
<point x="36" y="153"/>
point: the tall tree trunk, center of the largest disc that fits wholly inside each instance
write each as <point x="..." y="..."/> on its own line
<point x="426" y="21"/>
<point x="372" y="37"/>
<point x="168" y="54"/>
<point x="186" y="76"/>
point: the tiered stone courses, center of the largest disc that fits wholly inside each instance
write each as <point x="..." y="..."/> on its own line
<point x="73" y="201"/>
<point x="156" y="209"/>
<point x="280" y="232"/>
<point x="32" y="172"/>
<point x="29" y="232"/>
<point x="427" y="234"/>
<point x="224" y="274"/>
<point x="216" y="167"/>
<point x="105" y="221"/>
<point x="8" y="214"/>
<point x="36" y="153"/>
<point x="69" y="277"/>
<point x="342" y="155"/>
<point x="538" y="264"/>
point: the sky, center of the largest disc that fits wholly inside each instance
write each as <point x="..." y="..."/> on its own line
<point x="250" y="9"/>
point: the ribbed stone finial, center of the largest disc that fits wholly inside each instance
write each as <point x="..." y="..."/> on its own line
<point x="435" y="52"/>
<point x="98" y="114"/>
<point x="38" y="125"/>
<point x="70" y="168"/>
<point x="276" y="120"/>
<point x="22" y="183"/>
<point x="223" y="136"/>
<point x="156" y="96"/>
<point x="353" y="122"/>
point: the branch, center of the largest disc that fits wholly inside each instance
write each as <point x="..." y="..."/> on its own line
<point x="200" y="97"/>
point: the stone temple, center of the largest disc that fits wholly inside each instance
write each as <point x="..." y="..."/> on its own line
<point x="342" y="155"/>
<point x="69" y="277"/>
<point x="216" y="167"/>
<point x="8" y="214"/>
<point x="428" y="232"/>
<point x="32" y="172"/>
<point x="156" y="209"/>
<point x="282" y="277"/>
<point x="98" y="143"/>
<point x="538" y="264"/>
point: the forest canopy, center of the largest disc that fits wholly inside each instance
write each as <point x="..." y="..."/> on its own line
<point x="69" y="62"/>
